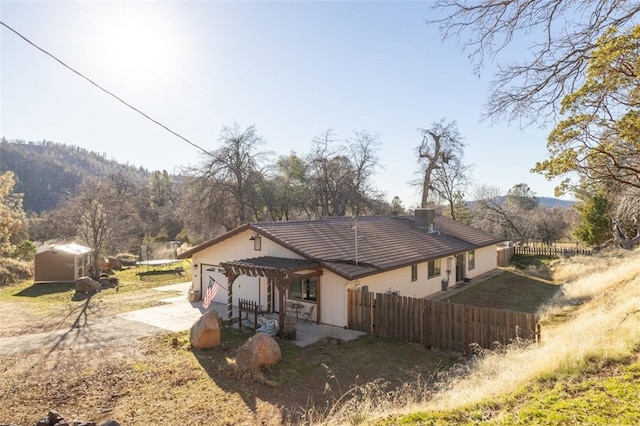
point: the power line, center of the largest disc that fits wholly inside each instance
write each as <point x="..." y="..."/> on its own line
<point x="105" y="90"/>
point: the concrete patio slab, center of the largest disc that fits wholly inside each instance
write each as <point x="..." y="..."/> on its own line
<point x="178" y="314"/>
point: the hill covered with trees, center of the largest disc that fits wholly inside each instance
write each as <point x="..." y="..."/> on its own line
<point x="47" y="171"/>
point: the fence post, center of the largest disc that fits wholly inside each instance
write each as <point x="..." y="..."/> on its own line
<point x="466" y="332"/>
<point x="538" y="333"/>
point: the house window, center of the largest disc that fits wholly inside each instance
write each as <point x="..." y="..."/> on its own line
<point x="414" y="273"/>
<point x="471" y="259"/>
<point x="433" y="268"/>
<point x="304" y="290"/>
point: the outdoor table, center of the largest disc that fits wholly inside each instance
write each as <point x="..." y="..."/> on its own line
<point x="296" y="307"/>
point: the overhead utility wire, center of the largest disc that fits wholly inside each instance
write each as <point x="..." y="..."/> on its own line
<point x="105" y="90"/>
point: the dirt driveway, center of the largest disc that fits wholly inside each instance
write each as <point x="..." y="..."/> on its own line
<point x="98" y="333"/>
<point x="88" y="325"/>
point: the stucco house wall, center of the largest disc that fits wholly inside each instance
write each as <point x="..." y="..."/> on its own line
<point x="388" y="245"/>
<point x="236" y="247"/>
<point x="486" y="260"/>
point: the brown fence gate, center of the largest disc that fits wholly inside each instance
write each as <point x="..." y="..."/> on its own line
<point x="434" y="324"/>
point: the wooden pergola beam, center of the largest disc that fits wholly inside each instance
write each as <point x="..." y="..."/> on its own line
<point x="281" y="278"/>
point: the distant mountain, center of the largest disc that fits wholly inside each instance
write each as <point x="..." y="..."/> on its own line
<point x="45" y="171"/>
<point x="555" y="202"/>
<point x="546" y="202"/>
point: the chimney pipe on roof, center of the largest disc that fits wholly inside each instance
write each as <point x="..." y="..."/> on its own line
<point x="424" y="217"/>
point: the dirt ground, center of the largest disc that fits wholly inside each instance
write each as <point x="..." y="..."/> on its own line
<point x="147" y="377"/>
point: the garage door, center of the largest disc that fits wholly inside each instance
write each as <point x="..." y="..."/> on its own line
<point x="211" y="273"/>
<point x="243" y="288"/>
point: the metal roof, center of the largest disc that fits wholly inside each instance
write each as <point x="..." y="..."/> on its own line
<point x="75" y="249"/>
<point x="383" y="242"/>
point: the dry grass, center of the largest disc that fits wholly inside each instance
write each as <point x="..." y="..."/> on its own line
<point x="45" y="307"/>
<point x="370" y="381"/>
<point x="603" y="328"/>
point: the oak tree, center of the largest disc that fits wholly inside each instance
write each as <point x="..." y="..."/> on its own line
<point x="557" y="36"/>
<point x="440" y="158"/>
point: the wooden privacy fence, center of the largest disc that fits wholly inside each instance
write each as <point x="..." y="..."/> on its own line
<point x="553" y="251"/>
<point x="434" y="324"/>
<point x="503" y="256"/>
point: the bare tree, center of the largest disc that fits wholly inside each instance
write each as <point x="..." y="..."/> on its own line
<point x="362" y="150"/>
<point x="494" y="213"/>
<point x="340" y="173"/>
<point x="223" y="189"/>
<point x="102" y="215"/>
<point x="441" y="146"/>
<point x="561" y="35"/>
<point x="449" y="182"/>
<point x="549" y="224"/>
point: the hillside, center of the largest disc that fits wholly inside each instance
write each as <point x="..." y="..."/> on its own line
<point x="45" y="171"/>
<point x="585" y="371"/>
<point x="546" y="202"/>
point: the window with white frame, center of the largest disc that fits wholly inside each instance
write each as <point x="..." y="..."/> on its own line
<point x="433" y="268"/>
<point x="414" y="273"/>
<point x="471" y="260"/>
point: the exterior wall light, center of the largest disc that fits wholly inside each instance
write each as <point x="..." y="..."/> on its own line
<point x="257" y="241"/>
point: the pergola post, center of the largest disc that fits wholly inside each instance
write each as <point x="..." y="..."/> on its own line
<point x="230" y="279"/>
<point x="283" y="287"/>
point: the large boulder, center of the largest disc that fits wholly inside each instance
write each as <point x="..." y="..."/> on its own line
<point x="87" y="285"/>
<point x="260" y="350"/>
<point x="205" y="333"/>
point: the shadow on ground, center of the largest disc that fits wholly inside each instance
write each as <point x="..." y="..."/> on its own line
<point x="317" y="376"/>
<point x="36" y="290"/>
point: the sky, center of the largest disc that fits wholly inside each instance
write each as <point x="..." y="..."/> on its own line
<point x="292" y="69"/>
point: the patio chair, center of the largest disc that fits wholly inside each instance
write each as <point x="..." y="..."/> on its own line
<point x="308" y="316"/>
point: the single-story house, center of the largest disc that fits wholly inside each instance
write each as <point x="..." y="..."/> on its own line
<point x="315" y="262"/>
<point x="62" y="263"/>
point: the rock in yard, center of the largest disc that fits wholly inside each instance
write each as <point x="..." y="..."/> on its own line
<point x="205" y="333"/>
<point x="87" y="285"/>
<point x="260" y="350"/>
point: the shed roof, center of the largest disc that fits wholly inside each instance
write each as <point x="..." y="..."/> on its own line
<point x="75" y="249"/>
<point x="383" y="242"/>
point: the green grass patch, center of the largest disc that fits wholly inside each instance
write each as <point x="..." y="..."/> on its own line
<point x="609" y="397"/>
<point x="525" y="261"/>
<point x="510" y="290"/>
<point x="44" y="298"/>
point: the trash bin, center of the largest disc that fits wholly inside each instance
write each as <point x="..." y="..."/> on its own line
<point x="445" y="284"/>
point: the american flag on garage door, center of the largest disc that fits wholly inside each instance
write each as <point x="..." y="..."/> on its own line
<point x="211" y="292"/>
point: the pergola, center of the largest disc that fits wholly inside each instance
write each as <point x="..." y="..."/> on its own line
<point x="281" y="271"/>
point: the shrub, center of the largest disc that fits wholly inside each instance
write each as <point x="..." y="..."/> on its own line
<point x="12" y="271"/>
<point x="26" y="250"/>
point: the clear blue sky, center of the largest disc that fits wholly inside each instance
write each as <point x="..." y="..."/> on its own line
<point x="292" y="69"/>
